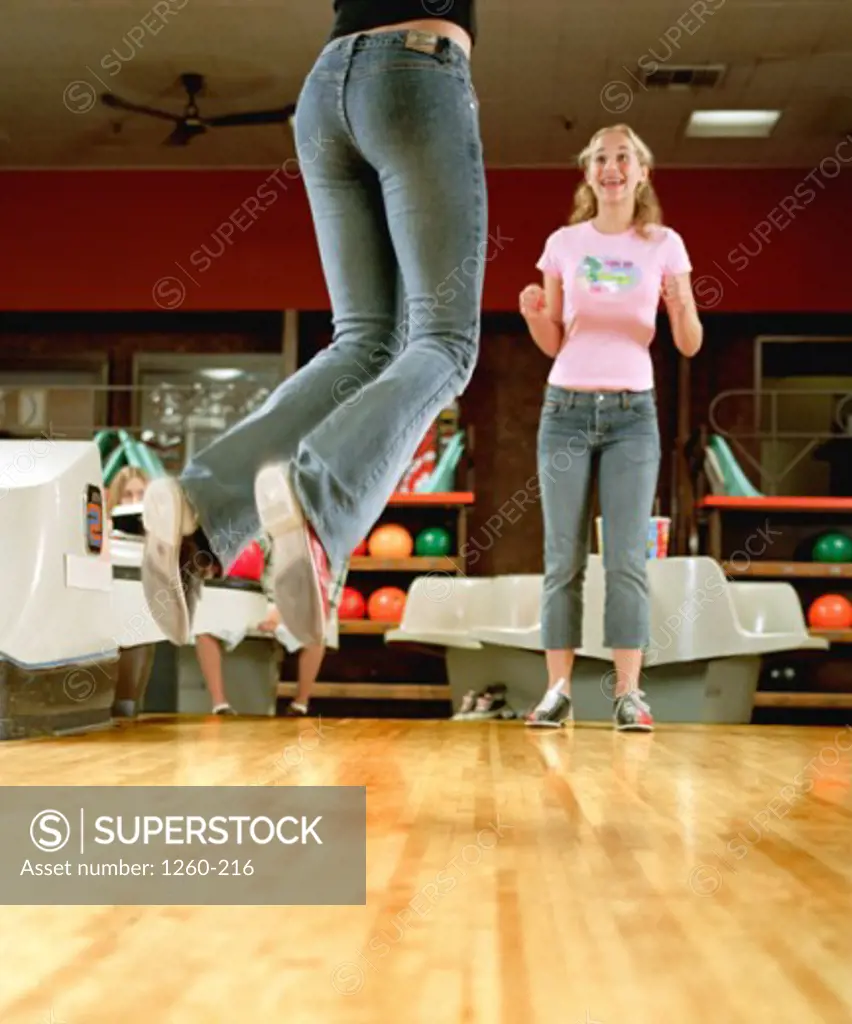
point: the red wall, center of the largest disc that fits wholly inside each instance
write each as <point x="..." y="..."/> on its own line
<point x="760" y="240"/>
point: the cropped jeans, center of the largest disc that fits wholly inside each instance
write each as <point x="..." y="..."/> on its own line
<point x="387" y="133"/>
<point x="614" y="436"/>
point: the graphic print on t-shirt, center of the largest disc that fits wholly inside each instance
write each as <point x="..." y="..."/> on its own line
<point x="606" y="276"/>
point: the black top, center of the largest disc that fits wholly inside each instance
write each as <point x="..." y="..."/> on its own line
<point x="361" y="15"/>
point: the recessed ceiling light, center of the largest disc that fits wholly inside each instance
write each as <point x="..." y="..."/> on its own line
<point x="732" y="124"/>
<point x="222" y="374"/>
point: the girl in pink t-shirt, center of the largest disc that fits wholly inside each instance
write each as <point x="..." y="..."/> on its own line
<point x="595" y="316"/>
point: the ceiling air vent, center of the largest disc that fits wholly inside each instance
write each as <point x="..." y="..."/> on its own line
<point x="668" y="76"/>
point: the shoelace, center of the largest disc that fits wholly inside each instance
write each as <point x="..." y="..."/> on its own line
<point x="549" y="700"/>
<point x="634" y="696"/>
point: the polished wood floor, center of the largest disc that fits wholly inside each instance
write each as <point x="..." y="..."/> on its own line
<point x="699" y="874"/>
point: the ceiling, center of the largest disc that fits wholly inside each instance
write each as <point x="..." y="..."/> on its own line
<point x="538" y="64"/>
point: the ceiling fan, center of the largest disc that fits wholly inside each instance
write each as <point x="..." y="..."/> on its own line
<point x="190" y="123"/>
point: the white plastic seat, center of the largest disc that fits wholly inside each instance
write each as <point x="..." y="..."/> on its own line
<point x="516" y="619"/>
<point x="771" y="610"/>
<point x="444" y="610"/>
<point x="703" y="661"/>
<point x="697" y="614"/>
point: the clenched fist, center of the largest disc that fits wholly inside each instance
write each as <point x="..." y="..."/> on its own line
<point x="676" y="292"/>
<point x="533" y="303"/>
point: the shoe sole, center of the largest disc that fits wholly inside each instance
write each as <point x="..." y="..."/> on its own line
<point x="634" y="728"/>
<point x="162" y="518"/>
<point x="547" y="725"/>
<point x="295" y="581"/>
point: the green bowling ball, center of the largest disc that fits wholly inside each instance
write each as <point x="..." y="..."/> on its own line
<point x="833" y="547"/>
<point x="433" y="542"/>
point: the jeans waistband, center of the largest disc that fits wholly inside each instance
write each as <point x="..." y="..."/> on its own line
<point x="399" y="42"/>
<point x="602" y="399"/>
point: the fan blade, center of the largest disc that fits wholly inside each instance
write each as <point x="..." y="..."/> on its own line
<point x="252" y="117"/>
<point x="183" y="134"/>
<point x="109" y="100"/>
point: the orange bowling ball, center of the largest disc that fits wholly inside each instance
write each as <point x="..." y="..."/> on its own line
<point x="391" y="541"/>
<point x="386" y="604"/>
<point x="831" y="611"/>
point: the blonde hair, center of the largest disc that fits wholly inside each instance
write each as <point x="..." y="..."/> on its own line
<point x="120" y="481"/>
<point x="646" y="210"/>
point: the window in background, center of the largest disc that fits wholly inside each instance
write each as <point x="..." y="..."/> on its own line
<point x="59" y="402"/>
<point x="184" y="402"/>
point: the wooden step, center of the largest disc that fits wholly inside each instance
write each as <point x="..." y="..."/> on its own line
<point x="373" y="691"/>
<point x="770" y="699"/>
<point x="366" y="563"/>
<point x="366" y="626"/>
<point x="834" y="636"/>
<point x="782" y="570"/>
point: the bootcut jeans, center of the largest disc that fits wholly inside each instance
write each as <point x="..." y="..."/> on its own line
<point x="387" y="135"/>
<point x="614" y="435"/>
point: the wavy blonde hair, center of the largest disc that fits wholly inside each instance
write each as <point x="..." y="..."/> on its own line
<point x="646" y="211"/>
<point x="120" y="481"/>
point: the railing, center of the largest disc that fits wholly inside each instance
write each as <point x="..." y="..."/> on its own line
<point x="769" y="440"/>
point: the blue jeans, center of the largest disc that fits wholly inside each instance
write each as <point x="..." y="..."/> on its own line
<point x="387" y="132"/>
<point x="616" y="435"/>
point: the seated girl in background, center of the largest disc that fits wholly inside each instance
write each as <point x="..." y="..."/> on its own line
<point x="209" y="646"/>
<point x="127" y="488"/>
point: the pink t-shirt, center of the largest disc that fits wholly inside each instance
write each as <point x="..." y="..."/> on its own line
<point x="612" y="285"/>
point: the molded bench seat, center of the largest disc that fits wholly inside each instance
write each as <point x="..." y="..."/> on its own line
<point x="444" y="610"/>
<point x="708" y="635"/>
<point x="516" y="614"/>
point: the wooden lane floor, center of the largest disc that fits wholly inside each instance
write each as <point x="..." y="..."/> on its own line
<point x="698" y="874"/>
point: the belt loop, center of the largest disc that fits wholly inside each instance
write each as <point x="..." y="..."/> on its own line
<point x="625" y="400"/>
<point x="573" y="398"/>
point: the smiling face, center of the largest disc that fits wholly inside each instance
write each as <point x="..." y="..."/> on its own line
<point x="614" y="171"/>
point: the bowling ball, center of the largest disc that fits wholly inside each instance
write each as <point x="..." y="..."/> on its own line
<point x="831" y="611"/>
<point x="433" y="542"/>
<point x="250" y="563"/>
<point x="360" y="551"/>
<point x="352" y="604"/>
<point x="390" y="541"/>
<point x="386" y="605"/>
<point x="833" y="547"/>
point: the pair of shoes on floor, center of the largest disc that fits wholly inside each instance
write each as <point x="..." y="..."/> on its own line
<point x="488" y="703"/>
<point x="556" y="710"/>
<point x="177" y="558"/>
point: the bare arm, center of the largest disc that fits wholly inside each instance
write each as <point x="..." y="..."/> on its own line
<point x="687" y="329"/>
<point x="545" y="324"/>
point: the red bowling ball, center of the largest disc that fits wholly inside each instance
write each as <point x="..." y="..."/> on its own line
<point x="249" y="564"/>
<point x="352" y="604"/>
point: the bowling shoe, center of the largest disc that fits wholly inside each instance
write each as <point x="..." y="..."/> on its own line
<point x="300" y="571"/>
<point x="176" y="559"/>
